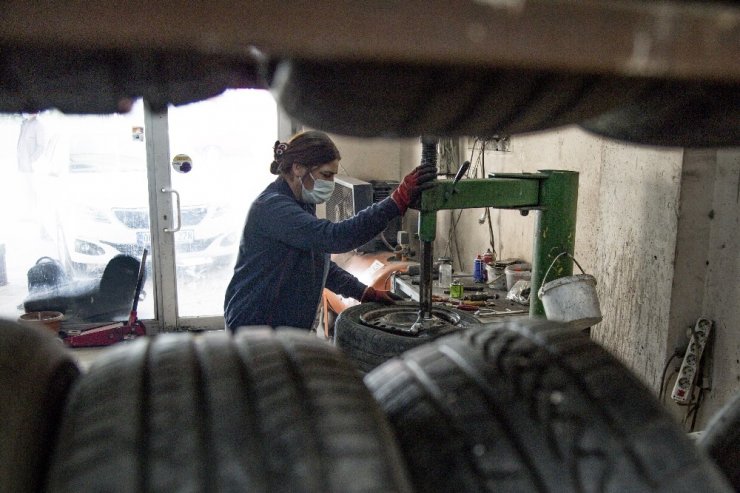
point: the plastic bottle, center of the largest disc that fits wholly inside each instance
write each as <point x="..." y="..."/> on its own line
<point x="445" y="272"/>
<point x="488" y="257"/>
<point x="456" y="289"/>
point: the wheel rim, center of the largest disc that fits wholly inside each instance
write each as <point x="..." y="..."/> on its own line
<point x="401" y="319"/>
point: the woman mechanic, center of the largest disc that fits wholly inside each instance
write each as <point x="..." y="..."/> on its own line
<point x="284" y="262"/>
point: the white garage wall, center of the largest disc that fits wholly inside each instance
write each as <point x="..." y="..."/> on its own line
<point x="638" y="216"/>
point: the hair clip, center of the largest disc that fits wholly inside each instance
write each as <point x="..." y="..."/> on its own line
<point x="279" y="148"/>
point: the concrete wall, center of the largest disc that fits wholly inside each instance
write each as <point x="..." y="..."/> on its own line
<point x="645" y="230"/>
<point x="708" y="267"/>
<point x="638" y="216"/>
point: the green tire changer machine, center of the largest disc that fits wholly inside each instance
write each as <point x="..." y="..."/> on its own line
<point x="552" y="194"/>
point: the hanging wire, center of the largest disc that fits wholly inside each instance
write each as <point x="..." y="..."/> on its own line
<point x="663" y="383"/>
<point x="491" y="238"/>
<point x="695" y="410"/>
<point x="447" y="157"/>
<point x="452" y="233"/>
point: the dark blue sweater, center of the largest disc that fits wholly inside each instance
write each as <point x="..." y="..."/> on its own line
<point x="284" y="259"/>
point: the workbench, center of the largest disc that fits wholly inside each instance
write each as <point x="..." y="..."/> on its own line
<point x="408" y="286"/>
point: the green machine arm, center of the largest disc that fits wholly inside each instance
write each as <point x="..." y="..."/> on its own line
<point x="552" y="193"/>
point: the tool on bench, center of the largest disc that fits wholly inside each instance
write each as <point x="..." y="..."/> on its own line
<point x="491" y="312"/>
<point x="477" y="297"/>
<point x="108" y="334"/>
<point x="469" y="307"/>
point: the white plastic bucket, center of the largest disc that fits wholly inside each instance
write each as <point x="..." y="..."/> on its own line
<point x="571" y="299"/>
<point x="517" y="272"/>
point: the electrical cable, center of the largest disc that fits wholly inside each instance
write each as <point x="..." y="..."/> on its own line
<point x="447" y="157"/>
<point x="452" y="233"/>
<point x="665" y="390"/>
<point x="662" y="378"/>
<point x="699" y="399"/>
<point x="386" y="242"/>
<point x="491" y="238"/>
<point x="703" y="361"/>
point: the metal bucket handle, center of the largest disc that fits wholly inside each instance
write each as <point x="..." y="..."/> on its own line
<point x="544" y="279"/>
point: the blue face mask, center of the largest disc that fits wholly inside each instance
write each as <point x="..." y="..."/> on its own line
<point x="322" y="190"/>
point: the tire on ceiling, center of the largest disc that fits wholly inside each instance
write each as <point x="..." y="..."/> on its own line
<point x="374" y="99"/>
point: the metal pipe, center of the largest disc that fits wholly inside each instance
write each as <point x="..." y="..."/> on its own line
<point x="428" y="158"/>
<point x="555" y="232"/>
<point x="425" y="280"/>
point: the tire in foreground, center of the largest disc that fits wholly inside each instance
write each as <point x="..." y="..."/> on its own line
<point x="36" y="375"/>
<point x="259" y="411"/>
<point x="532" y="406"/>
<point x="721" y="440"/>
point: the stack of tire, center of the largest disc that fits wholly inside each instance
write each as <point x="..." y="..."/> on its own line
<point x="519" y="407"/>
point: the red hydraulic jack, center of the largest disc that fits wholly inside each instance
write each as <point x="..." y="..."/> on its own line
<point x="105" y="335"/>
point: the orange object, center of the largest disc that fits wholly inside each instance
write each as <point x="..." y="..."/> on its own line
<point x="46" y="319"/>
<point x="467" y="307"/>
<point x="373" y="269"/>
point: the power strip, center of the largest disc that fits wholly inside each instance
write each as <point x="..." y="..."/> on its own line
<point x="682" y="389"/>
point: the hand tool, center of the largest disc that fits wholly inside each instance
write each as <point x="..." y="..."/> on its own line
<point x="490" y="312"/>
<point x="477" y="297"/>
<point x="467" y="308"/>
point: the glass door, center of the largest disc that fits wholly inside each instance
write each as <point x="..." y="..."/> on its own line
<point x="220" y="151"/>
<point x="74" y="194"/>
<point x="79" y="191"/>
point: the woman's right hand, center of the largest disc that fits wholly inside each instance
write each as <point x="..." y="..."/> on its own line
<point x="412" y="185"/>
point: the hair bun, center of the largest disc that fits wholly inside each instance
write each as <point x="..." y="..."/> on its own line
<point x="274" y="168"/>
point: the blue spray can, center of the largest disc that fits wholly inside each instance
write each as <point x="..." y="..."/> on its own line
<point x="479" y="270"/>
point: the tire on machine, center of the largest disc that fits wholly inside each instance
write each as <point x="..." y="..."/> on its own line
<point x="36" y="375"/>
<point x="369" y="346"/>
<point x="721" y="440"/>
<point x="259" y="411"/>
<point x="533" y="406"/>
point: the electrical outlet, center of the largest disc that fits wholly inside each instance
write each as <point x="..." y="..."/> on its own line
<point x="682" y="389"/>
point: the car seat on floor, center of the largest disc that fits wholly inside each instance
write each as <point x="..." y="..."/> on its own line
<point x="106" y="299"/>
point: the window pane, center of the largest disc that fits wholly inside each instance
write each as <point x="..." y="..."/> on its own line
<point x="74" y="192"/>
<point x="229" y="139"/>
